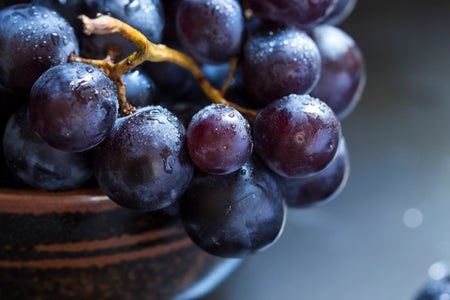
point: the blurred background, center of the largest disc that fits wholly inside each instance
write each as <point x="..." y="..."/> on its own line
<point x="386" y="235"/>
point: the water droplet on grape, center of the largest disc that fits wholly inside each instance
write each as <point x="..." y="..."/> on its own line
<point x="132" y="7"/>
<point x="106" y="93"/>
<point x="168" y="164"/>
<point x="84" y="91"/>
<point x="173" y="194"/>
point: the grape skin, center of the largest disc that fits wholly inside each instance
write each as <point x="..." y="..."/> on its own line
<point x="140" y="89"/>
<point x="73" y="106"/>
<point x="38" y="164"/>
<point x="147" y="16"/>
<point x="144" y="162"/>
<point x="300" y="13"/>
<point x="343" y="74"/>
<point x="297" y="135"/>
<point x="219" y="139"/>
<point x="33" y="39"/>
<point x="69" y="9"/>
<point x="167" y="75"/>
<point x="210" y="30"/>
<point x="234" y="215"/>
<point x="280" y="62"/>
<point x="319" y="188"/>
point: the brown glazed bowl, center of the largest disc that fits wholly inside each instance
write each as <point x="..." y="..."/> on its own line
<point x="81" y="245"/>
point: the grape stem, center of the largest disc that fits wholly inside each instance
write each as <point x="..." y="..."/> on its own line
<point x="149" y="51"/>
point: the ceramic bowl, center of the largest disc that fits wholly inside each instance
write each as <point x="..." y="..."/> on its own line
<point x="81" y="245"/>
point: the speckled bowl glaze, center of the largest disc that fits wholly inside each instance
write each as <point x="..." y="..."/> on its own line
<point x="81" y="245"/>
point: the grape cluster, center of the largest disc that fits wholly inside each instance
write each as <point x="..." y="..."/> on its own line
<point x="229" y="110"/>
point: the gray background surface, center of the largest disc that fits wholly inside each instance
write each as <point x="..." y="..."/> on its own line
<point x="382" y="237"/>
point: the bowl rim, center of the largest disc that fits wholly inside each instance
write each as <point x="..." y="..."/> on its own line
<point x="34" y="201"/>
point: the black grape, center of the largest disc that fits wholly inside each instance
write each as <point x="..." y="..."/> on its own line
<point x="38" y="164"/>
<point x="280" y="62"/>
<point x="147" y="16"/>
<point x="140" y="88"/>
<point x="33" y="39"/>
<point x="210" y="30"/>
<point x="69" y="9"/>
<point x="73" y="106"/>
<point x="144" y="162"/>
<point x="297" y="135"/>
<point x="435" y="290"/>
<point x="167" y="75"/>
<point x="343" y="74"/>
<point x="234" y="215"/>
<point x="216" y="74"/>
<point x="301" y="13"/>
<point x="319" y="188"/>
<point x="219" y="139"/>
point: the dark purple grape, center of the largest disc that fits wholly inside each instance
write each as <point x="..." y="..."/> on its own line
<point x="210" y="30"/>
<point x="340" y="12"/>
<point x="171" y="80"/>
<point x="73" y="106"/>
<point x="144" y="162"/>
<point x="319" y="188"/>
<point x="219" y="139"/>
<point x="38" y="164"/>
<point x="216" y="74"/>
<point x="234" y="215"/>
<point x="280" y="62"/>
<point x="69" y="9"/>
<point x="147" y="16"/>
<point x="435" y="290"/>
<point x="343" y="74"/>
<point x="33" y="39"/>
<point x="140" y="88"/>
<point x="301" y="13"/>
<point x="297" y="135"/>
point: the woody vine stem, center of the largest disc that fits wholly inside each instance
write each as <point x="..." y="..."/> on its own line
<point x="148" y="51"/>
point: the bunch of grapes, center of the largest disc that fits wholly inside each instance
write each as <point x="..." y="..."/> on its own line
<point x="228" y="110"/>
